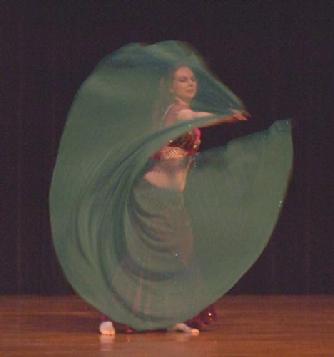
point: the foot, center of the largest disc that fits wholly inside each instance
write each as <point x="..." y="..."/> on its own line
<point x="107" y="328"/>
<point x="182" y="327"/>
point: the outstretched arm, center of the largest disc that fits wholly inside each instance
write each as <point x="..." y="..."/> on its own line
<point x="237" y="115"/>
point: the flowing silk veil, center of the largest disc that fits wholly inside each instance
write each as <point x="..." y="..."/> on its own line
<point x="121" y="240"/>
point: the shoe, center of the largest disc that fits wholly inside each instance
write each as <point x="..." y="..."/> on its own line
<point x="182" y="327"/>
<point x="107" y="328"/>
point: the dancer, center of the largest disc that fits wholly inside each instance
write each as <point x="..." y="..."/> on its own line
<point x="149" y="230"/>
<point x="169" y="170"/>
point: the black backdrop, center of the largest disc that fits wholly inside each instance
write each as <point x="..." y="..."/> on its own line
<point x="276" y="55"/>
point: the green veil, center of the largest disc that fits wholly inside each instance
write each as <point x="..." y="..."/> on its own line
<point x="146" y="256"/>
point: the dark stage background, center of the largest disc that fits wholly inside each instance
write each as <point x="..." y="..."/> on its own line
<point x="276" y="55"/>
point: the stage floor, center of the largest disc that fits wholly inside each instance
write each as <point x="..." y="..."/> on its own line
<point x="257" y="325"/>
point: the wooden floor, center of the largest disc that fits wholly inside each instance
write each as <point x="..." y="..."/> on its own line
<point x="248" y="326"/>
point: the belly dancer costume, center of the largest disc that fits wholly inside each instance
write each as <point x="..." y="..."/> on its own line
<point x="148" y="255"/>
<point x="170" y="162"/>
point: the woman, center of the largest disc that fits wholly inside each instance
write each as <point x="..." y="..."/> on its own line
<point x="170" y="166"/>
<point x="143" y="234"/>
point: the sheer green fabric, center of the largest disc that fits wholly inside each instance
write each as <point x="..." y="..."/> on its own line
<point x="148" y="256"/>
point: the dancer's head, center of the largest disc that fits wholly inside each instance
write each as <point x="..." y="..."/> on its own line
<point x="178" y="83"/>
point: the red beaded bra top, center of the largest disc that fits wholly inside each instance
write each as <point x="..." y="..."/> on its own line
<point x="189" y="141"/>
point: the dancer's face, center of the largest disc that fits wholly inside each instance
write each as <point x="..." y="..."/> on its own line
<point x="184" y="84"/>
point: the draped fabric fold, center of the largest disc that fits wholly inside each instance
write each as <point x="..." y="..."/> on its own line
<point x="148" y="256"/>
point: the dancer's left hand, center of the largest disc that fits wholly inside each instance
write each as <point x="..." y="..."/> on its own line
<point x="240" y="115"/>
